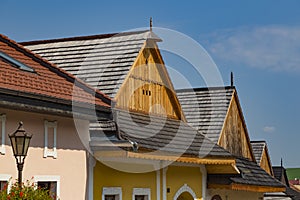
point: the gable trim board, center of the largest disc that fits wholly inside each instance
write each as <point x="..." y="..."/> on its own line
<point x="250" y="188"/>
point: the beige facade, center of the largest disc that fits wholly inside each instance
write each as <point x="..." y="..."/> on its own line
<point x="66" y="166"/>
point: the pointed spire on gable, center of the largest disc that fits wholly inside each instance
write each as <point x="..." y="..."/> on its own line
<point x="150" y="23"/>
<point x="231" y="79"/>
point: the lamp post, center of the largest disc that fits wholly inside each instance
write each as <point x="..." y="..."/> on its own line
<point x="20" y="142"/>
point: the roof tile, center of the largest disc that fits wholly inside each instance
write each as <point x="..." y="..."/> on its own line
<point x="102" y="61"/>
<point x="160" y="134"/>
<point x="46" y="80"/>
<point x="258" y="148"/>
<point x="205" y="108"/>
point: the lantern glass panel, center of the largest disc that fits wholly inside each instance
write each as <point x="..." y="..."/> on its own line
<point x="26" y="144"/>
<point x="13" y="144"/>
<point x="20" y="146"/>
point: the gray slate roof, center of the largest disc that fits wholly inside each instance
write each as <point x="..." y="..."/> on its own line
<point x="251" y="174"/>
<point x="205" y="108"/>
<point x="280" y="175"/>
<point x="161" y="134"/>
<point x="258" y="148"/>
<point x="103" y="61"/>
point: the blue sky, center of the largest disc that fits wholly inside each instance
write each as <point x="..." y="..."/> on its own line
<point x="258" y="40"/>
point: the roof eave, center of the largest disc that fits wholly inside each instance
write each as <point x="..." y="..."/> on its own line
<point x="247" y="187"/>
<point x="43" y="104"/>
<point x="60" y="72"/>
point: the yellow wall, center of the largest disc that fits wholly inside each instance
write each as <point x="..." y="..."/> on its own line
<point x="177" y="176"/>
<point x="107" y="177"/>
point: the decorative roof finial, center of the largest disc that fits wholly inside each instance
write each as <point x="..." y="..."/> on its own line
<point x="150" y="23"/>
<point x="231" y="79"/>
<point x="281" y="162"/>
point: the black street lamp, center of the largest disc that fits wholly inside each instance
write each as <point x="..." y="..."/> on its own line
<point x="20" y="142"/>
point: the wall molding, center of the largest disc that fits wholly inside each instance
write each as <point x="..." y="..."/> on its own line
<point x="141" y="191"/>
<point x="50" y="152"/>
<point x="158" y="184"/>
<point x="185" y="188"/>
<point x="112" y="191"/>
<point x="41" y="178"/>
<point x="3" y="133"/>
<point x="164" y="182"/>
<point x="8" y="178"/>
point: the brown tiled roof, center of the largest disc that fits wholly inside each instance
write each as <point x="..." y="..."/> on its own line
<point x="45" y="80"/>
<point x="294" y="182"/>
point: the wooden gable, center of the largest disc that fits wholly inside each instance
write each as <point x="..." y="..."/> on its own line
<point x="234" y="136"/>
<point x="147" y="87"/>
<point x="261" y="154"/>
<point x="265" y="162"/>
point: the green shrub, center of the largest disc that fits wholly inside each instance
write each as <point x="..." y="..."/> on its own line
<point x="26" y="192"/>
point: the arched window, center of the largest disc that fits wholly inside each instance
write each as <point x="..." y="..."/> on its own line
<point x="216" y="197"/>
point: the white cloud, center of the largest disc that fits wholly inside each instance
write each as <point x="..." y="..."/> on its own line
<point x="270" y="47"/>
<point x="269" y="129"/>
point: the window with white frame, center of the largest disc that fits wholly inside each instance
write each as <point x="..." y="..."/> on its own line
<point x="141" y="194"/>
<point x="5" y="182"/>
<point x="50" y="183"/>
<point x="2" y="134"/>
<point x="112" y="193"/>
<point x="2" y="185"/>
<point x="50" y="139"/>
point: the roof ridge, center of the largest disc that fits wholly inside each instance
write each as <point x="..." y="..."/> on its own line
<point x="88" y="37"/>
<point x="258" y="141"/>
<point x="205" y="88"/>
<point x="51" y="66"/>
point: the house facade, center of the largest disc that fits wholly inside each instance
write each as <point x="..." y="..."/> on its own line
<point x="220" y="118"/>
<point x="44" y="98"/>
<point x="161" y="144"/>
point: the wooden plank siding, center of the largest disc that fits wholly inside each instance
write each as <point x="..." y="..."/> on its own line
<point x="147" y="87"/>
<point x="261" y="154"/>
<point x="265" y="163"/>
<point x="234" y="136"/>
